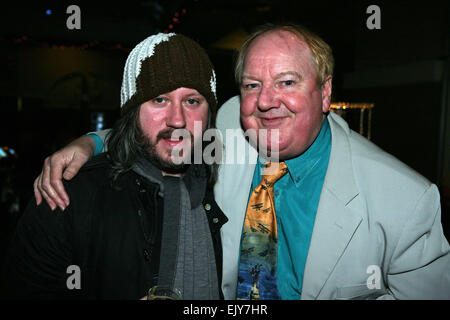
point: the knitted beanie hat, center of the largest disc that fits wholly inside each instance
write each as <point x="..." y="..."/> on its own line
<point x="163" y="63"/>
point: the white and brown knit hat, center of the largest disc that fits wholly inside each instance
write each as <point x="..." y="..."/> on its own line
<point x="165" y="62"/>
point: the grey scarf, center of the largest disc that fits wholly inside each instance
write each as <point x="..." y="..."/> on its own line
<point x="187" y="260"/>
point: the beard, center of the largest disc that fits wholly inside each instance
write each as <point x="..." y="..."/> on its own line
<point x="150" y="152"/>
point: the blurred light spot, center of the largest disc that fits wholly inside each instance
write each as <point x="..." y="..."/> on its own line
<point x="97" y="121"/>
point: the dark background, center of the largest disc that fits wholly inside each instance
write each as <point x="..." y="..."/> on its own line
<point x="54" y="81"/>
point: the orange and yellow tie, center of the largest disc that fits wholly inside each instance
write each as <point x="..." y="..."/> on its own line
<point x="258" y="259"/>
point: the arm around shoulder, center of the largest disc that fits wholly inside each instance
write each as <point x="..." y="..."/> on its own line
<point x="66" y="163"/>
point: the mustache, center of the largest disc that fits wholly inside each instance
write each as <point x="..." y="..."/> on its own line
<point x="169" y="133"/>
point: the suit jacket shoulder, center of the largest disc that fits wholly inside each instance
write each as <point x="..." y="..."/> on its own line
<point x="374" y="167"/>
<point x="368" y="156"/>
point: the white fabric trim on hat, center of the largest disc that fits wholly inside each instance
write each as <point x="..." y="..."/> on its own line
<point x="212" y="83"/>
<point x="143" y="50"/>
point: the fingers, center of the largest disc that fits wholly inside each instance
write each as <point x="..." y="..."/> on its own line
<point x="55" y="178"/>
<point x="37" y="193"/>
<point x="47" y="189"/>
<point x="49" y="184"/>
<point x="43" y="193"/>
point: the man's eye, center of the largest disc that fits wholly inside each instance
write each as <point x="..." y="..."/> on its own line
<point x="250" y="86"/>
<point x="192" y="101"/>
<point x="159" y="100"/>
<point x="288" y="82"/>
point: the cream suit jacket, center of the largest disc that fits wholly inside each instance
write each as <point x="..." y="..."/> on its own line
<point x="377" y="232"/>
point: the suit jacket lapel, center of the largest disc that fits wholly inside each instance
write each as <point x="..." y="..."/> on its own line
<point x="335" y="222"/>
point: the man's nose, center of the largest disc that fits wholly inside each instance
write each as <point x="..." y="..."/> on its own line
<point x="176" y="118"/>
<point x="268" y="98"/>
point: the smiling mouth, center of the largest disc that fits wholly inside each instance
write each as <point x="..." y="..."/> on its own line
<point x="272" y="122"/>
<point x="173" y="141"/>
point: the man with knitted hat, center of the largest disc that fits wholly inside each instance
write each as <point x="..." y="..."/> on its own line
<point x="143" y="222"/>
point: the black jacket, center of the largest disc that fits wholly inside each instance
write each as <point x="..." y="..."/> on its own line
<point x="112" y="236"/>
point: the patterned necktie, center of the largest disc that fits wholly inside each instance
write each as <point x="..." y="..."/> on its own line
<point x="258" y="261"/>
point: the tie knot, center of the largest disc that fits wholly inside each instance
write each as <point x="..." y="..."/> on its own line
<point x="273" y="171"/>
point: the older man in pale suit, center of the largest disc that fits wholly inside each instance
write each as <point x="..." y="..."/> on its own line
<point x="353" y="221"/>
<point x="374" y="212"/>
<point x="377" y="231"/>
